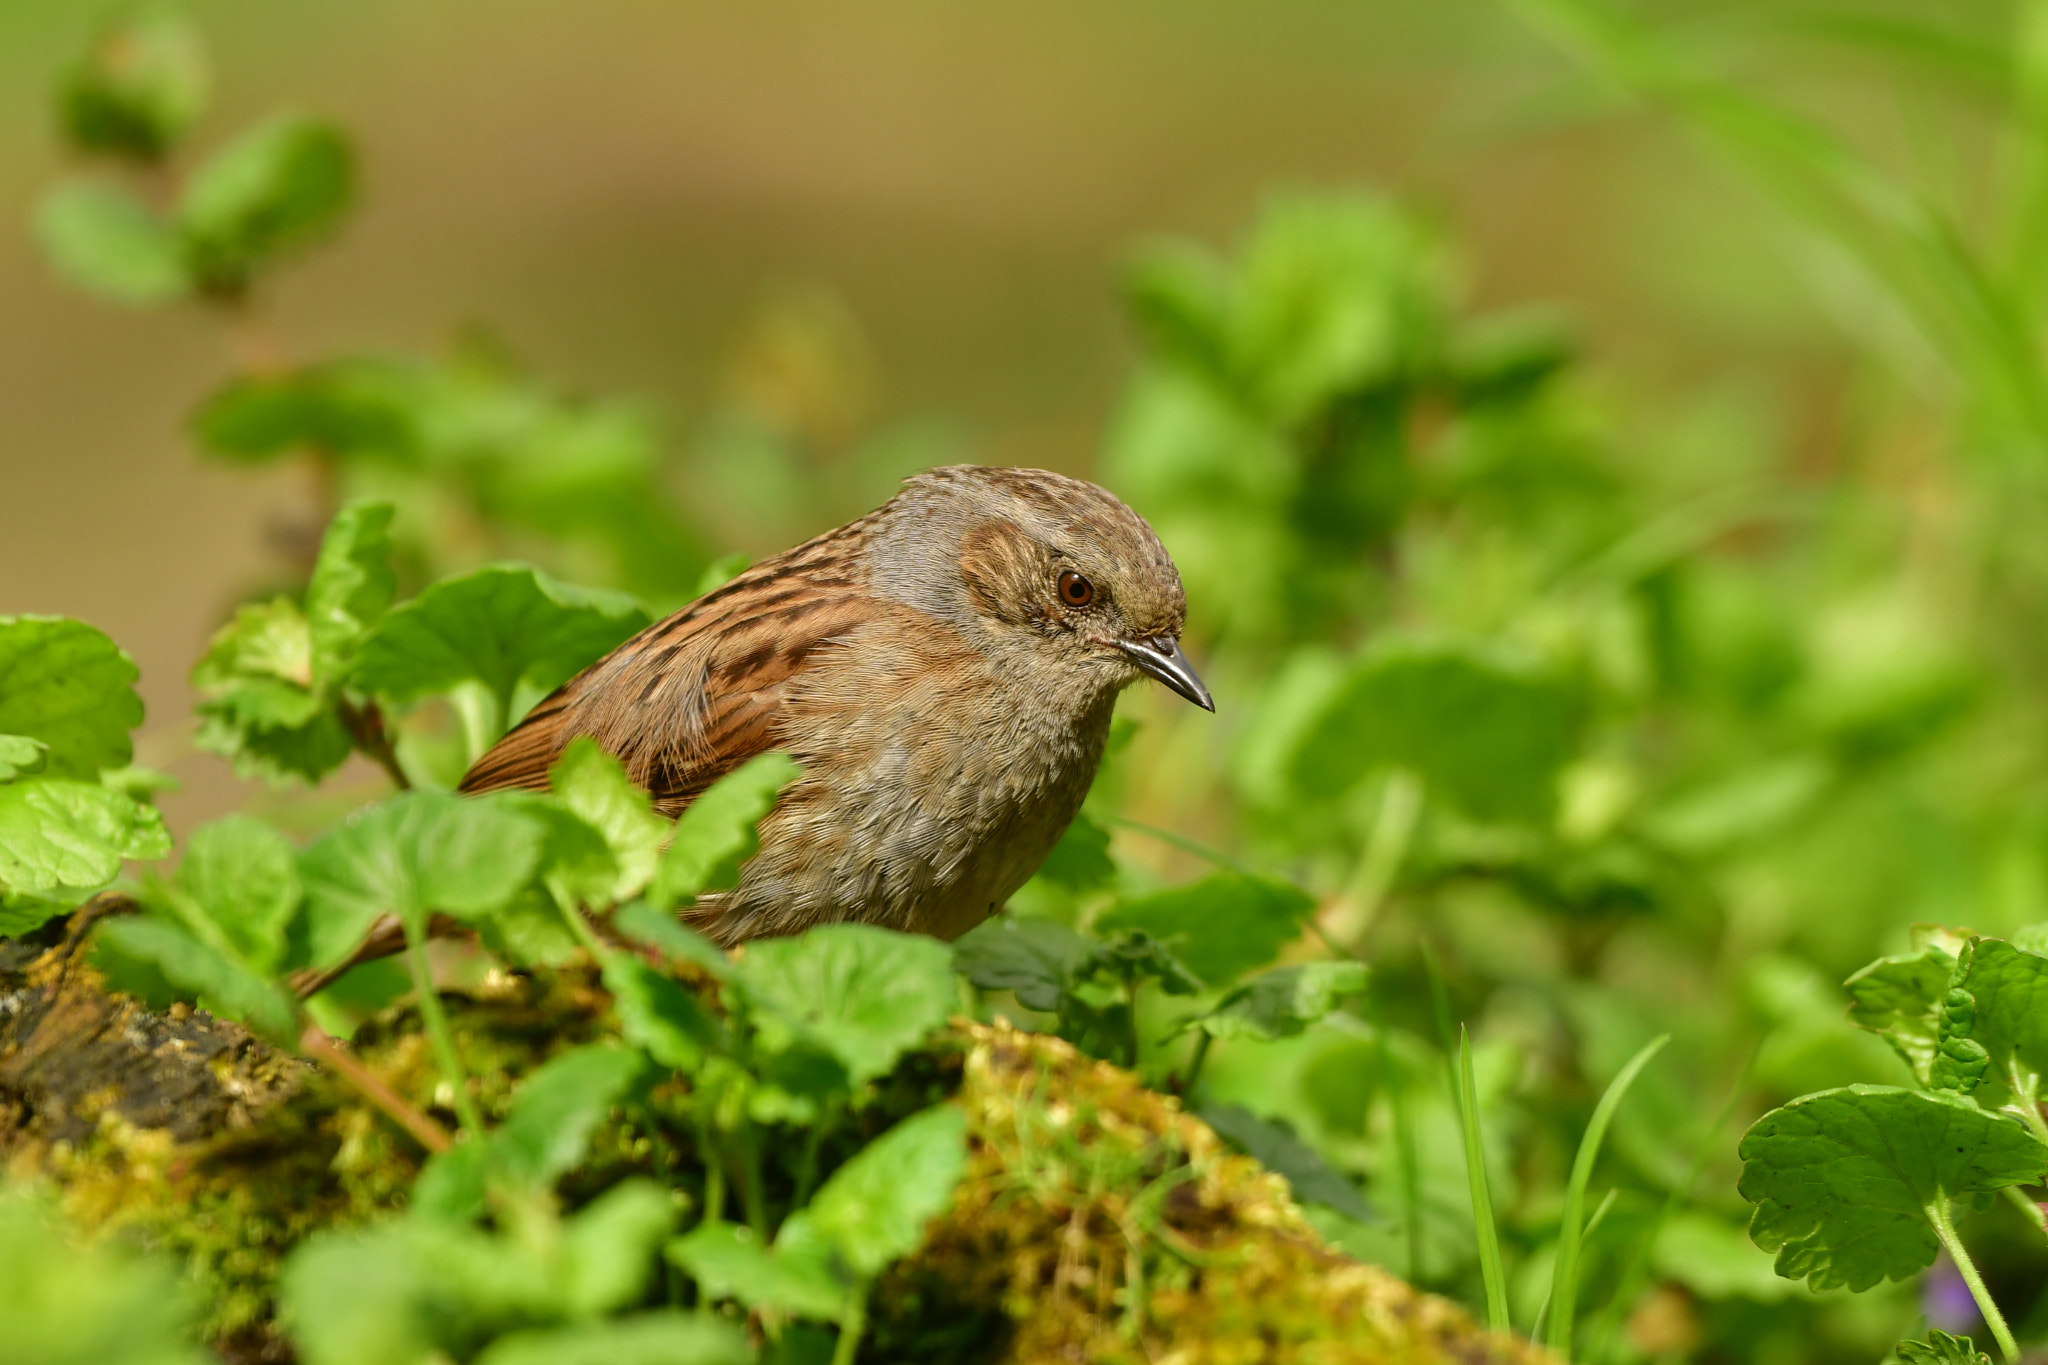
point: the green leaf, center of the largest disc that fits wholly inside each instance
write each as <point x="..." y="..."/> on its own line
<point x="258" y="703"/>
<point x="1130" y="956"/>
<point x="1281" y="1003"/>
<point x="1033" y="957"/>
<point x="244" y="876"/>
<point x="1848" y="1182"/>
<point x="1487" y="738"/>
<point x="1272" y="1144"/>
<point x="505" y="626"/>
<point x="1899" y="998"/>
<point x="875" y="1208"/>
<point x="20" y="756"/>
<point x="70" y="687"/>
<point x="345" y="408"/>
<point x="593" y="785"/>
<point x="283" y="183"/>
<point x="69" y="1302"/>
<point x="351" y="587"/>
<point x="142" y="85"/>
<point x="1080" y="861"/>
<point x="678" y="942"/>
<point x="717" y="833"/>
<point x="657" y="1338"/>
<point x="546" y="1132"/>
<point x="219" y="982"/>
<point x="56" y="833"/>
<point x="23" y="914"/>
<point x="1998" y="1003"/>
<point x="417" y="853"/>
<point x="862" y="994"/>
<point x="1221" y="926"/>
<point x="659" y="1015"/>
<point x="1940" y="1349"/>
<point x="106" y="241"/>
<point x="611" y="1246"/>
<point x="795" y="1276"/>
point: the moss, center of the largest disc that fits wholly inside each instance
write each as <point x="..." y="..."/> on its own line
<point x="1097" y="1222"/>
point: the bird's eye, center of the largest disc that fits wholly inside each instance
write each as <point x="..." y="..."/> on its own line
<point x="1075" y="590"/>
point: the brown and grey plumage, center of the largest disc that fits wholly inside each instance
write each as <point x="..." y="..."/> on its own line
<point x="944" y="669"/>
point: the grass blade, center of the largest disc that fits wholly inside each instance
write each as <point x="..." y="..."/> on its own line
<point x="1482" y="1197"/>
<point x="1564" y="1280"/>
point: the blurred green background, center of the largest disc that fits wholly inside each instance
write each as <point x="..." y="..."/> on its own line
<point x="912" y="215"/>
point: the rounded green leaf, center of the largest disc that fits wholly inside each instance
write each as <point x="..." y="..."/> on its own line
<point x="243" y="875"/>
<point x="283" y="183"/>
<point x="71" y="688"/>
<point x="1846" y="1182"/>
<point x="20" y="756"/>
<point x="1998" y="1005"/>
<point x="106" y="241"/>
<point x="862" y="994"/>
<point x="876" y="1207"/>
<point x="138" y="90"/>
<point x="1221" y="926"/>
<point x="716" y="835"/>
<point x="57" y="833"/>
<point x="1281" y="1003"/>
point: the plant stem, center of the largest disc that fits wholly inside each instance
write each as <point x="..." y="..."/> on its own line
<point x="2029" y="1210"/>
<point x="851" y="1330"/>
<point x="1482" y="1198"/>
<point x="315" y="1043"/>
<point x="1564" y="1280"/>
<point x="714" y="1174"/>
<point x="1202" y="1041"/>
<point x="752" y="1192"/>
<point x="438" y="1033"/>
<point x="1937" y="1214"/>
<point x="1358" y="904"/>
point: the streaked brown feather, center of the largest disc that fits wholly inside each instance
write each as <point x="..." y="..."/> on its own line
<point x="700" y="692"/>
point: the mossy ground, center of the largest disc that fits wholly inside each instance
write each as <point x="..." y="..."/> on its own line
<point x="1097" y="1222"/>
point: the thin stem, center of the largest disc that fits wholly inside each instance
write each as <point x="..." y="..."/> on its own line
<point x="852" y="1330"/>
<point x="580" y="927"/>
<point x="752" y="1191"/>
<point x="366" y="730"/>
<point x="714" y="1174"/>
<point x="1358" y="904"/>
<point x="1592" y="1225"/>
<point x="438" y="1033"/>
<point x="315" y="1043"/>
<point x="1937" y="1214"/>
<point x="1202" y="1041"/>
<point x="2029" y="1210"/>
<point x="1564" y="1280"/>
<point x="1490" y="1268"/>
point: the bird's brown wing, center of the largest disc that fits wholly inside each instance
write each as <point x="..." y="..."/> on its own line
<point x="695" y="695"/>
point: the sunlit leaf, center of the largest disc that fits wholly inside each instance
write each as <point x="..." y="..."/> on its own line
<point x="1222" y="926"/>
<point x="717" y="833"/>
<point x="862" y="994"/>
<point x="1281" y="1003"/>
<point x="55" y="833"/>
<point x="70" y="688"/>
<point x="283" y="183"/>
<point x="105" y="240"/>
<point x="139" y="88"/>
<point x="876" y="1207"/>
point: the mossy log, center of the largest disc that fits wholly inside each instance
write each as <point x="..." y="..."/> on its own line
<point x="1098" y="1222"/>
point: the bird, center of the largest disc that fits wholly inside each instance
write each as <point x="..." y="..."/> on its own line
<point x="942" y="669"/>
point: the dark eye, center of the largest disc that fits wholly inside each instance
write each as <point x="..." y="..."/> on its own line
<point x="1075" y="590"/>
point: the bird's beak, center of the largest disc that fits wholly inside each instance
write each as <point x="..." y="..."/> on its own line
<point x="1162" y="658"/>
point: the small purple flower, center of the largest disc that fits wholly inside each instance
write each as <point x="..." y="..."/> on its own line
<point x="1946" y="1300"/>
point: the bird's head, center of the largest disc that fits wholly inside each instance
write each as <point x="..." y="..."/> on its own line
<point x="1042" y="566"/>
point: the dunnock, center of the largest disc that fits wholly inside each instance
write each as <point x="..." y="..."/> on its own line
<point x="944" y="669"/>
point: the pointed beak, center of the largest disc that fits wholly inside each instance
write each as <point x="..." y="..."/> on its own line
<point x="1162" y="658"/>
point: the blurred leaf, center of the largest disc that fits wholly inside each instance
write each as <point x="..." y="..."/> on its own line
<point x="1899" y="998"/>
<point x="86" y="1304"/>
<point x="1848" y="1183"/>
<point x="351" y="587"/>
<point x="221" y="983"/>
<point x="1221" y="926"/>
<point x="1489" y="739"/>
<point x="656" y="1338"/>
<point x="662" y="930"/>
<point x="545" y="1134"/>
<point x="876" y="1207"/>
<point x="23" y="914"/>
<point x="56" y="833"/>
<point x="593" y="785"/>
<point x="140" y="88"/>
<point x="1080" y="861"/>
<point x="21" y="756"/>
<point x="1129" y="956"/>
<point x="861" y="994"/>
<point x="283" y="183"/>
<point x="258" y="704"/>
<point x="717" y="833"/>
<point x="611" y="1244"/>
<point x="412" y="855"/>
<point x="244" y="876"/>
<point x="1281" y="1003"/>
<point x="505" y="626"/>
<point x="1716" y="1260"/>
<point x="1940" y="1349"/>
<point x="345" y="408"/>
<point x="105" y="240"/>
<point x="1033" y="957"/>
<point x="71" y="688"/>
<point x="1997" y="1005"/>
<point x="659" y="1015"/>
<point x="796" y="1278"/>
<point x="1273" y="1145"/>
